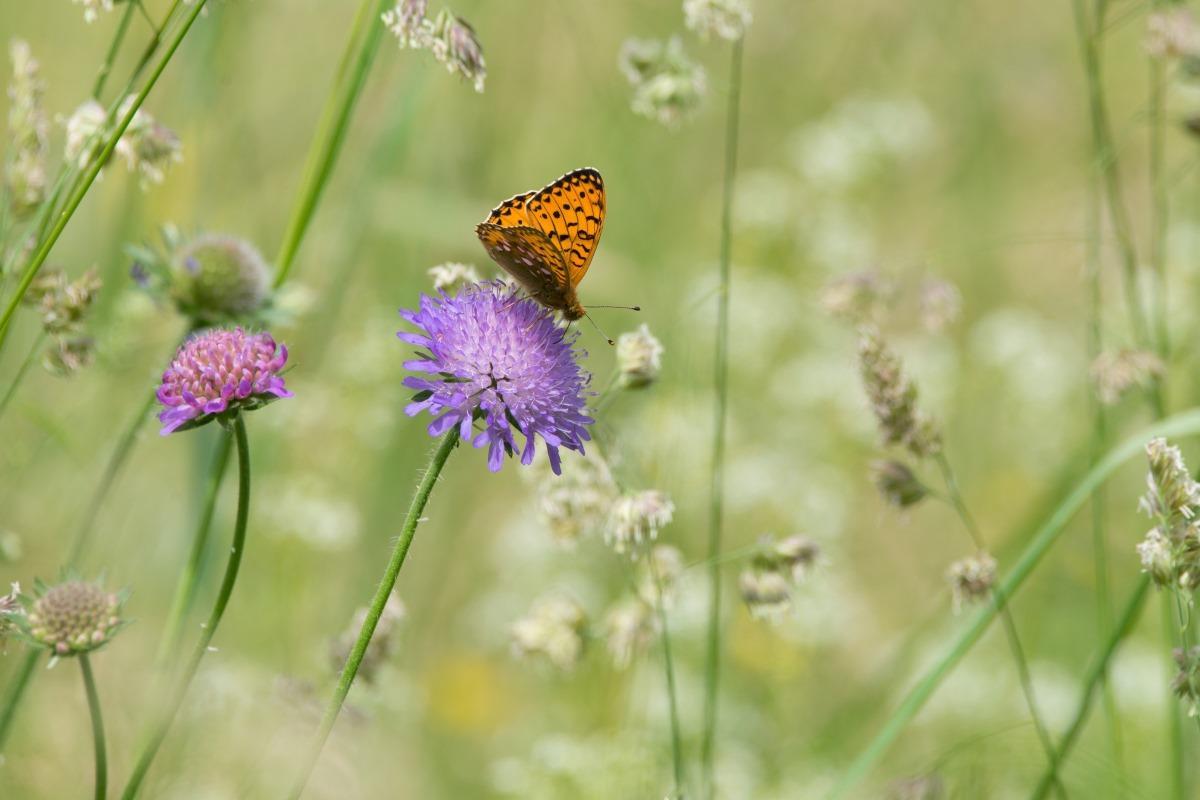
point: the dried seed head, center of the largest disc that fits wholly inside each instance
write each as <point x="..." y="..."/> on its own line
<point x="629" y="630"/>
<point x="797" y="554"/>
<point x="1158" y="558"/>
<point x="971" y="579"/>
<point x="28" y="128"/>
<point x="579" y="501"/>
<point x="1171" y="494"/>
<point x="407" y="21"/>
<point x="1186" y="684"/>
<point x="941" y="304"/>
<point x="554" y="629"/>
<point x="73" y="617"/>
<point x="897" y="483"/>
<point x="894" y="398"/>
<point x="668" y="86"/>
<point x="452" y="276"/>
<point x="859" y="297"/>
<point x="766" y="591"/>
<point x="636" y="518"/>
<point x="1116" y="373"/>
<point x="457" y="47"/>
<point x="383" y="643"/>
<point x="639" y="358"/>
<point x="726" y="19"/>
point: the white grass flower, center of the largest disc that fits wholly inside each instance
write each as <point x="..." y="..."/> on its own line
<point x="726" y="19"/>
<point x="636" y="519"/>
<point x="639" y="358"/>
<point x="452" y="276"/>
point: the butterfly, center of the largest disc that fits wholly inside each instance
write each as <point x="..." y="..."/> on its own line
<point x="546" y="239"/>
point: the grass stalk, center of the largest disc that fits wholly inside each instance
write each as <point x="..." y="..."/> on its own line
<point x="1180" y="425"/>
<point x="712" y="660"/>
<point x="88" y="177"/>
<point x="352" y="72"/>
<point x="669" y="669"/>
<point x="1002" y="609"/>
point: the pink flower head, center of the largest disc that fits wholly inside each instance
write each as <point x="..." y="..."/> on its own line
<point x="220" y="371"/>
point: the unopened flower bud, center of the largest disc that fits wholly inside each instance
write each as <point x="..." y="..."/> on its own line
<point x="639" y="358"/>
<point x="897" y="483"/>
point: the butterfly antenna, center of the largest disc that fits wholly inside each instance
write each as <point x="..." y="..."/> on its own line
<point x="597" y="327"/>
<point x="626" y="308"/>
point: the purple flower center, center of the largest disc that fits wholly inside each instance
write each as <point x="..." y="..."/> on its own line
<point x="499" y="360"/>
<point x="217" y="371"/>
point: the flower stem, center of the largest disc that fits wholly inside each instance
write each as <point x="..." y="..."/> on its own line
<point x="30" y="357"/>
<point x="1179" y="425"/>
<point x="159" y="732"/>
<point x="352" y="72"/>
<point x="382" y="593"/>
<point x="1004" y="611"/>
<point x="1095" y="676"/>
<point x="185" y="589"/>
<point x="1160" y="201"/>
<point x="712" y="661"/>
<point x="113" y="48"/>
<point x="1178" y="770"/>
<point x="669" y="668"/>
<point x="93" y="699"/>
<point x="89" y="176"/>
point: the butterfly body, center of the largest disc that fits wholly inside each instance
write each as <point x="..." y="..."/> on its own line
<point x="546" y="239"/>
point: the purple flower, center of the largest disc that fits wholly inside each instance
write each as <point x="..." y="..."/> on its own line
<point x="499" y="358"/>
<point x="218" y="371"/>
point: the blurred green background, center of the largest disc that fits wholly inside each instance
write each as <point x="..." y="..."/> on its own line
<point x="932" y="139"/>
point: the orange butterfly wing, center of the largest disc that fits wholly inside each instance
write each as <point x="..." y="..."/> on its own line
<point x="546" y="239"/>
<point x="529" y="256"/>
<point x="571" y="212"/>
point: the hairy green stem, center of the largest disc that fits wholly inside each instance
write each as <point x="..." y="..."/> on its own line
<point x="89" y="176"/>
<point x="169" y="710"/>
<point x="716" y="511"/>
<point x="185" y="589"/>
<point x="93" y="700"/>
<point x="1183" y="424"/>
<point x="382" y="592"/>
<point x="356" y="62"/>
<point x="1094" y="678"/>
<point x="1002" y="608"/>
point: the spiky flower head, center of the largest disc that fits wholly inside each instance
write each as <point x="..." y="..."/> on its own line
<point x="28" y="129"/>
<point x="554" y="629"/>
<point x="858" y="297"/>
<point x="636" y="518"/>
<point x="578" y="501"/>
<point x="452" y="276"/>
<point x="73" y="617"/>
<point x="630" y="627"/>
<point x="218" y="373"/>
<point x="639" y="358"/>
<point x="1117" y="372"/>
<point x="93" y="8"/>
<point x="897" y="483"/>
<point x="940" y="304"/>
<point x="727" y="19"/>
<point x="667" y="85"/>
<point x="971" y="579"/>
<point x="407" y="22"/>
<point x="218" y="278"/>
<point x="893" y="398"/>
<point x="383" y="642"/>
<point x="497" y="358"/>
